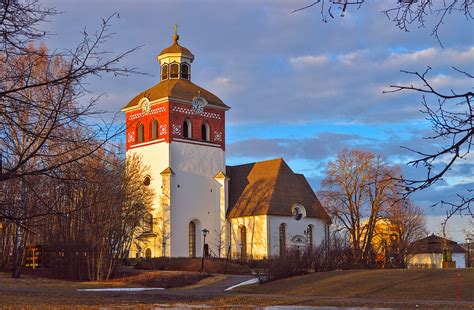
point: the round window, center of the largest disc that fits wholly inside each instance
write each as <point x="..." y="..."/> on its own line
<point x="297" y="215"/>
<point x="147" y="180"/>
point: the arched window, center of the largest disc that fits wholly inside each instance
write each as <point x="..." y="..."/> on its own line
<point x="164" y="72"/>
<point x="185" y="71"/>
<point x="140" y="133"/>
<point x="243" y="242"/>
<point x="148" y="223"/>
<point x="187" y="128"/>
<point x="309" y="234"/>
<point x="174" y="71"/>
<point x="192" y="239"/>
<point x="205" y="132"/>
<point x="148" y="253"/>
<point x="282" y="239"/>
<point x="154" y="129"/>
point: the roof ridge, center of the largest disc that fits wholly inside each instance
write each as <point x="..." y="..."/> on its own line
<point x="258" y="162"/>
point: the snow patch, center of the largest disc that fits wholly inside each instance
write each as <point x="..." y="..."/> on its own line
<point x="248" y="282"/>
<point x="120" y="289"/>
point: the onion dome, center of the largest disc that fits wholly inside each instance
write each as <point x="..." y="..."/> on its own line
<point x="175" y="48"/>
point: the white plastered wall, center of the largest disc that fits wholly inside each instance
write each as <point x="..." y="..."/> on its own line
<point x="256" y="234"/>
<point x="435" y="260"/>
<point x="293" y="228"/>
<point x="430" y="260"/>
<point x="460" y="259"/>
<point x="195" y="195"/>
<point x="156" y="158"/>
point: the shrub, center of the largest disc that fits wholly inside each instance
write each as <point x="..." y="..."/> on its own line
<point x="162" y="279"/>
<point x="291" y="264"/>
<point x="211" y="265"/>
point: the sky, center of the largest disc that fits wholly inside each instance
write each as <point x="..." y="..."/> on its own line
<point x="299" y="88"/>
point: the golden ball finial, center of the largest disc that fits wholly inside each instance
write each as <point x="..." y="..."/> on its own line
<point x="175" y="34"/>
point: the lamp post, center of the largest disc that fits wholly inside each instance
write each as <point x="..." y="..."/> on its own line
<point x="468" y="241"/>
<point x="204" y="234"/>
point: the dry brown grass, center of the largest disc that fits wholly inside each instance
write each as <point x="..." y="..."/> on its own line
<point x="380" y="284"/>
<point x="165" y="279"/>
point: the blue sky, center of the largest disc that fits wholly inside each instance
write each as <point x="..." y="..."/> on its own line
<point x="299" y="88"/>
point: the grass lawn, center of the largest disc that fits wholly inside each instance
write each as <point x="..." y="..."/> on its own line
<point x="425" y="289"/>
<point x="165" y="279"/>
<point x="378" y="284"/>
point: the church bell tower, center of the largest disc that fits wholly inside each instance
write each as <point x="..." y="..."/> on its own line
<point x="178" y="128"/>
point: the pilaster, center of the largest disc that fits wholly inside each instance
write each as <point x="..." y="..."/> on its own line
<point x="223" y="181"/>
<point x="165" y="205"/>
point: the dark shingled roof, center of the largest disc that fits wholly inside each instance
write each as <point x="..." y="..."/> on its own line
<point x="434" y="244"/>
<point x="270" y="188"/>
<point x="177" y="88"/>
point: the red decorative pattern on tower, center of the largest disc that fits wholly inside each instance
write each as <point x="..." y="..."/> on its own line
<point x="170" y="117"/>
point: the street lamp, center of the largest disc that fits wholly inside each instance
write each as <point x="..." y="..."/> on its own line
<point x="468" y="241"/>
<point x="204" y="234"/>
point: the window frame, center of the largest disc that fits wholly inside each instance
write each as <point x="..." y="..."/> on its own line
<point x="188" y="129"/>
<point x="166" y="76"/>
<point x="176" y="65"/>
<point x="192" y="239"/>
<point x="155" y="131"/>
<point x="206" y="130"/>
<point x="140" y="133"/>
<point x="243" y="242"/>
<point x="282" y="238"/>
<point x="187" y="75"/>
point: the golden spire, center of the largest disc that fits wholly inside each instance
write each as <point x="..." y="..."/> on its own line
<point x="175" y="33"/>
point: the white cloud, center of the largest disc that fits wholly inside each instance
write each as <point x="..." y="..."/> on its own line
<point x="224" y="86"/>
<point x="353" y="58"/>
<point x="413" y="57"/>
<point x="309" y="60"/>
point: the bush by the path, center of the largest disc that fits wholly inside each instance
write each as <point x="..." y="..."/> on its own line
<point x="211" y="265"/>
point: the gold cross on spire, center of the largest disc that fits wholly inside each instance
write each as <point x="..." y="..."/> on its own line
<point x="175" y="28"/>
<point x="175" y="34"/>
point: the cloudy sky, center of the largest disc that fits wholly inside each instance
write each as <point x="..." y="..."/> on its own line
<point x="299" y="88"/>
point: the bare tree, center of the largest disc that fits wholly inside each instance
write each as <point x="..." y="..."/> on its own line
<point x="44" y="130"/>
<point x="450" y="114"/>
<point x="408" y="223"/>
<point x="46" y="87"/>
<point x="452" y="122"/>
<point x="403" y="13"/>
<point x="358" y="186"/>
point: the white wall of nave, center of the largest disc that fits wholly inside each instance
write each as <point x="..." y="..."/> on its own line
<point x="293" y="228"/>
<point x="256" y="243"/>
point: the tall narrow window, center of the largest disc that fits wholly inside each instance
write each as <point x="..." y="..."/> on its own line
<point x="309" y="233"/>
<point x="149" y="223"/>
<point x="192" y="239"/>
<point x="164" y="72"/>
<point x="140" y="133"/>
<point x="154" y="129"/>
<point x="282" y="239"/>
<point x="185" y="71"/>
<point x="187" y="130"/>
<point x="174" y="71"/>
<point x="205" y="132"/>
<point x="243" y="242"/>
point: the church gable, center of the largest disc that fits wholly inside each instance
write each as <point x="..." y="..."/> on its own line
<point x="270" y="188"/>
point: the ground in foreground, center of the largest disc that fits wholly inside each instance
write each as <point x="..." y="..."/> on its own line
<point x="438" y="289"/>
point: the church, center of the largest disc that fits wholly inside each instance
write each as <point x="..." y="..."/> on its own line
<point x="201" y="206"/>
